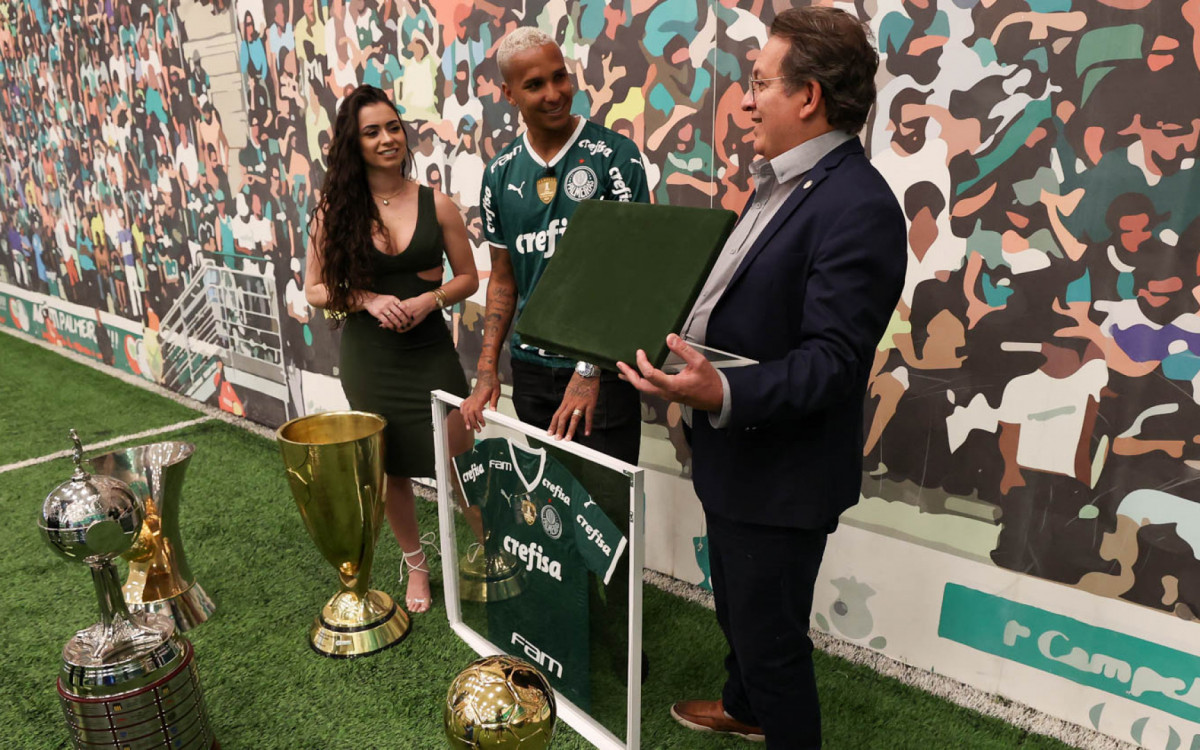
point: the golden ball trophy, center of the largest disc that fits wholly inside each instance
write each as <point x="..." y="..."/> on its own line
<point x="128" y="681"/>
<point x="499" y="703"/>
<point x="334" y="464"/>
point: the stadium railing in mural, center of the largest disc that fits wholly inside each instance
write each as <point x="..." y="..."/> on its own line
<point x="224" y="320"/>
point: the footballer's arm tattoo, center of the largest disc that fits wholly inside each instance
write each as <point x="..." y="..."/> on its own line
<point x="499" y="311"/>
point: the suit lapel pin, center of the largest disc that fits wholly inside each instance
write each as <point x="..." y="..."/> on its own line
<point x="807" y="184"/>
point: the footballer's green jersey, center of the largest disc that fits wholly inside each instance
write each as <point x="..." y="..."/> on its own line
<point x="527" y="203"/>
<point x="537" y="513"/>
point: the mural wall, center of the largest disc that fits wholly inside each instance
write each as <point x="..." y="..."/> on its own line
<point x="1032" y="407"/>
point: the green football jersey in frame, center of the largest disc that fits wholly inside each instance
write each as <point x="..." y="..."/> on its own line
<point x="534" y="510"/>
<point x="527" y="204"/>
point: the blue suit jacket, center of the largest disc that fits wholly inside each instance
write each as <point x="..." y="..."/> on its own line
<point x="809" y="302"/>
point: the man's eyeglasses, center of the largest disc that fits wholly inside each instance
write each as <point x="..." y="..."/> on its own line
<point x="757" y="85"/>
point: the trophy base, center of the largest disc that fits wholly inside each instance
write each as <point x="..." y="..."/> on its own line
<point x="189" y="609"/>
<point x="376" y="624"/>
<point x="131" y="652"/>
<point x="488" y="578"/>
<point x="166" y="711"/>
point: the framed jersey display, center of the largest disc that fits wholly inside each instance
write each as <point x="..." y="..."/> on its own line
<point x="542" y="560"/>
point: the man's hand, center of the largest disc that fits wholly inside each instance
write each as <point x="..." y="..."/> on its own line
<point x="578" y="405"/>
<point x="698" y="385"/>
<point x="486" y="393"/>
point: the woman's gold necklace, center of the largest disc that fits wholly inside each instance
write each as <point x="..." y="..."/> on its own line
<point x="387" y="200"/>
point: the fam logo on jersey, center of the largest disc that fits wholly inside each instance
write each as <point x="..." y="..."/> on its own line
<point x="551" y="522"/>
<point x="543" y="660"/>
<point x="594" y="535"/>
<point x="581" y="183"/>
<point x="533" y="557"/>
<point x="505" y="158"/>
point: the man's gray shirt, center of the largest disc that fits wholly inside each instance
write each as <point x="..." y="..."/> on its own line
<point x="774" y="182"/>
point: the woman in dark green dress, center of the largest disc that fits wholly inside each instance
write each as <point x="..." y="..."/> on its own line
<point x="376" y="253"/>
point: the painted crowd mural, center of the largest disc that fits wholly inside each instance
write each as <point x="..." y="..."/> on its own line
<point x="1033" y="406"/>
<point x="1041" y="370"/>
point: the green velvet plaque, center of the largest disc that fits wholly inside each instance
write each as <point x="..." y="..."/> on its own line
<point x="623" y="277"/>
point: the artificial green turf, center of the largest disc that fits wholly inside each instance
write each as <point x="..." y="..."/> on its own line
<point x="265" y="689"/>
<point x="45" y="394"/>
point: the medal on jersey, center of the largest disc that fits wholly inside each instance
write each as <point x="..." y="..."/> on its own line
<point x="546" y="188"/>
<point x="528" y="511"/>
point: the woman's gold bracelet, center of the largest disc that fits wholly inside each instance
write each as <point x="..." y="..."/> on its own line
<point x="440" y="295"/>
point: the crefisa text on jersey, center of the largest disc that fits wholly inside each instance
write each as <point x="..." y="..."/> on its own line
<point x="473" y="473"/>
<point x="620" y="190"/>
<point x="594" y="535"/>
<point x="556" y="491"/>
<point x="489" y="215"/>
<point x="595" y="147"/>
<point x="533" y="557"/>
<point x="543" y="241"/>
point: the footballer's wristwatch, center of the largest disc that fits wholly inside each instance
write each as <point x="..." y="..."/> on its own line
<point x="586" y="370"/>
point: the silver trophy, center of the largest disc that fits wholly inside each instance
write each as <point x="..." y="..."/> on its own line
<point x="127" y="681"/>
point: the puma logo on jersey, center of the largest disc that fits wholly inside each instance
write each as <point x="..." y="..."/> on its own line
<point x="594" y="536"/>
<point x="517" y="189"/>
<point x="543" y="660"/>
<point x="473" y="473"/>
<point x="543" y="241"/>
<point x="533" y="557"/>
<point x="620" y="190"/>
<point x="556" y="491"/>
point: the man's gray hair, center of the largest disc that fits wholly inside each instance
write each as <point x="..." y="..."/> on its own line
<point x="518" y="41"/>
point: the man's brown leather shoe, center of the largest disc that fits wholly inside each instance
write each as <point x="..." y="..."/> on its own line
<point x="710" y="716"/>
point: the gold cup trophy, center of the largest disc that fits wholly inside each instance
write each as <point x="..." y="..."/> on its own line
<point x="160" y="579"/>
<point x="334" y="464"/>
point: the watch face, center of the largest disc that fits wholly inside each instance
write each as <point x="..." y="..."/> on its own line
<point x="586" y="369"/>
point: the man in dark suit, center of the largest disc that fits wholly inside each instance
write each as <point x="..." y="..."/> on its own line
<point x="804" y="286"/>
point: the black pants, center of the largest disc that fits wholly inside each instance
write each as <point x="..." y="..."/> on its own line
<point x="763" y="579"/>
<point x="616" y="422"/>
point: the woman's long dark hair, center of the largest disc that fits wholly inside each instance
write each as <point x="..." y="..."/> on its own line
<point x="348" y="215"/>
